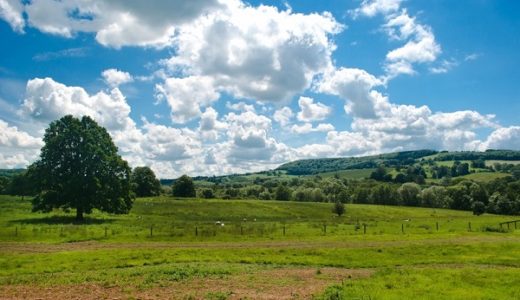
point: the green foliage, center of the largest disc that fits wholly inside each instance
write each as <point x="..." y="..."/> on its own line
<point x="478" y="208"/>
<point x="208" y="194"/>
<point x="144" y="182"/>
<point x="473" y="155"/>
<point x="410" y="193"/>
<point x="79" y="168"/>
<point x="283" y="193"/>
<point x="435" y="196"/>
<point x="338" y="208"/>
<point x="315" y="166"/>
<point x="183" y="187"/>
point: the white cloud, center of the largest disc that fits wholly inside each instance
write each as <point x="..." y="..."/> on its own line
<point x="420" y="46"/>
<point x="11" y="12"/>
<point x="186" y="96"/>
<point x="47" y="100"/>
<point x="307" y="128"/>
<point x="502" y="138"/>
<point x="472" y="56"/>
<point x="258" y="53"/>
<point x="17" y="148"/>
<point x="11" y="136"/>
<point x="115" y="78"/>
<point x="444" y="67"/>
<point x="240" y="106"/>
<point x="371" y="8"/>
<point x="209" y="125"/>
<point x="117" y="23"/>
<point x="310" y="111"/>
<point x="283" y="115"/>
<point x="162" y="143"/>
<point x="354" y="86"/>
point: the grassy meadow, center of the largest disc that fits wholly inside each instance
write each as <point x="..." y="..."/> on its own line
<point x="172" y="248"/>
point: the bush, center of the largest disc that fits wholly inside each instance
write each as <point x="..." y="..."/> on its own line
<point x="338" y="208"/>
<point x="208" y="194"/>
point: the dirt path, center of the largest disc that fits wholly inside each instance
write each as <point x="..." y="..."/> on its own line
<point x="15" y="247"/>
<point x="284" y="283"/>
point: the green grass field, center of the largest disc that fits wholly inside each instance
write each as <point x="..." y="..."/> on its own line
<point x="169" y="248"/>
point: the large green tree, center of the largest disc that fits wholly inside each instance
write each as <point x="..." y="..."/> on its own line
<point x="79" y="168"/>
<point x="144" y="182"/>
<point x="183" y="187"/>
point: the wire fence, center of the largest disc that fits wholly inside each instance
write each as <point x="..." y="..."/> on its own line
<point x="245" y="230"/>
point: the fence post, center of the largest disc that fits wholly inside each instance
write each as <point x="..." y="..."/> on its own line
<point x="283" y="230"/>
<point x="469" y="226"/>
<point x="151" y="230"/>
<point x="402" y="228"/>
<point x="324" y="228"/>
<point x="437" y="225"/>
<point x="196" y="231"/>
<point x="364" y="228"/>
<point x="507" y="226"/>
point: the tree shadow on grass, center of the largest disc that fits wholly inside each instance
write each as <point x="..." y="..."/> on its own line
<point x="62" y="220"/>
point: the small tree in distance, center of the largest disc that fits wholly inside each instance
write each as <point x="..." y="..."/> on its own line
<point x="338" y="208"/>
<point x="478" y="208"/>
<point x="183" y="187"/>
<point x="144" y="182"/>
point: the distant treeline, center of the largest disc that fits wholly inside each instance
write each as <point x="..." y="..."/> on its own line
<point x="323" y="165"/>
<point x="397" y="159"/>
<point x="474" y="155"/>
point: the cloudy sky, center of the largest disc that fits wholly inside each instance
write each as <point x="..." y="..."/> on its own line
<point x="209" y="87"/>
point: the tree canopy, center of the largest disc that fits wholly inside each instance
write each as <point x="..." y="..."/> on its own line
<point x="183" y="187"/>
<point x="144" y="182"/>
<point x="79" y="168"/>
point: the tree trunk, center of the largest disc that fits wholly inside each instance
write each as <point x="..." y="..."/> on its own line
<point x="79" y="215"/>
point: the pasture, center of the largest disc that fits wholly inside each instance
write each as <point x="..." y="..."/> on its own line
<point x="231" y="249"/>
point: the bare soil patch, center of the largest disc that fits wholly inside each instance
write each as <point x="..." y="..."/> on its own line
<point x="282" y="283"/>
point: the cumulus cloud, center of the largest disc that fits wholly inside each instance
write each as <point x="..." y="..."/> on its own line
<point x="209" y="125"/>
<point x="310" y="111"/>
<point x="17" y="148"/>
<point x="11" y="136"/>
<point x="420" y="44"/>
<point x="283" y="115"/>
<point x="307" y="128"/>
<point x="162" y="143"/>
<point x="115" y="78"/>
<point x="116" y="23"/>
<point x="47" y="100"/>
<point x="187" y="95"/>
<point x="502" y="138"/>
<point x="11" y="11"/>
<point x="258" y="53"/>
<point x="240" y="106"/>
<point x="354" y="86"/>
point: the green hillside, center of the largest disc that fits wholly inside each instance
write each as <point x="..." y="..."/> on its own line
<point x="323" y="165"/>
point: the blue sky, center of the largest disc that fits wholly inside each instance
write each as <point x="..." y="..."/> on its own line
<point x="224" y="86"/>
